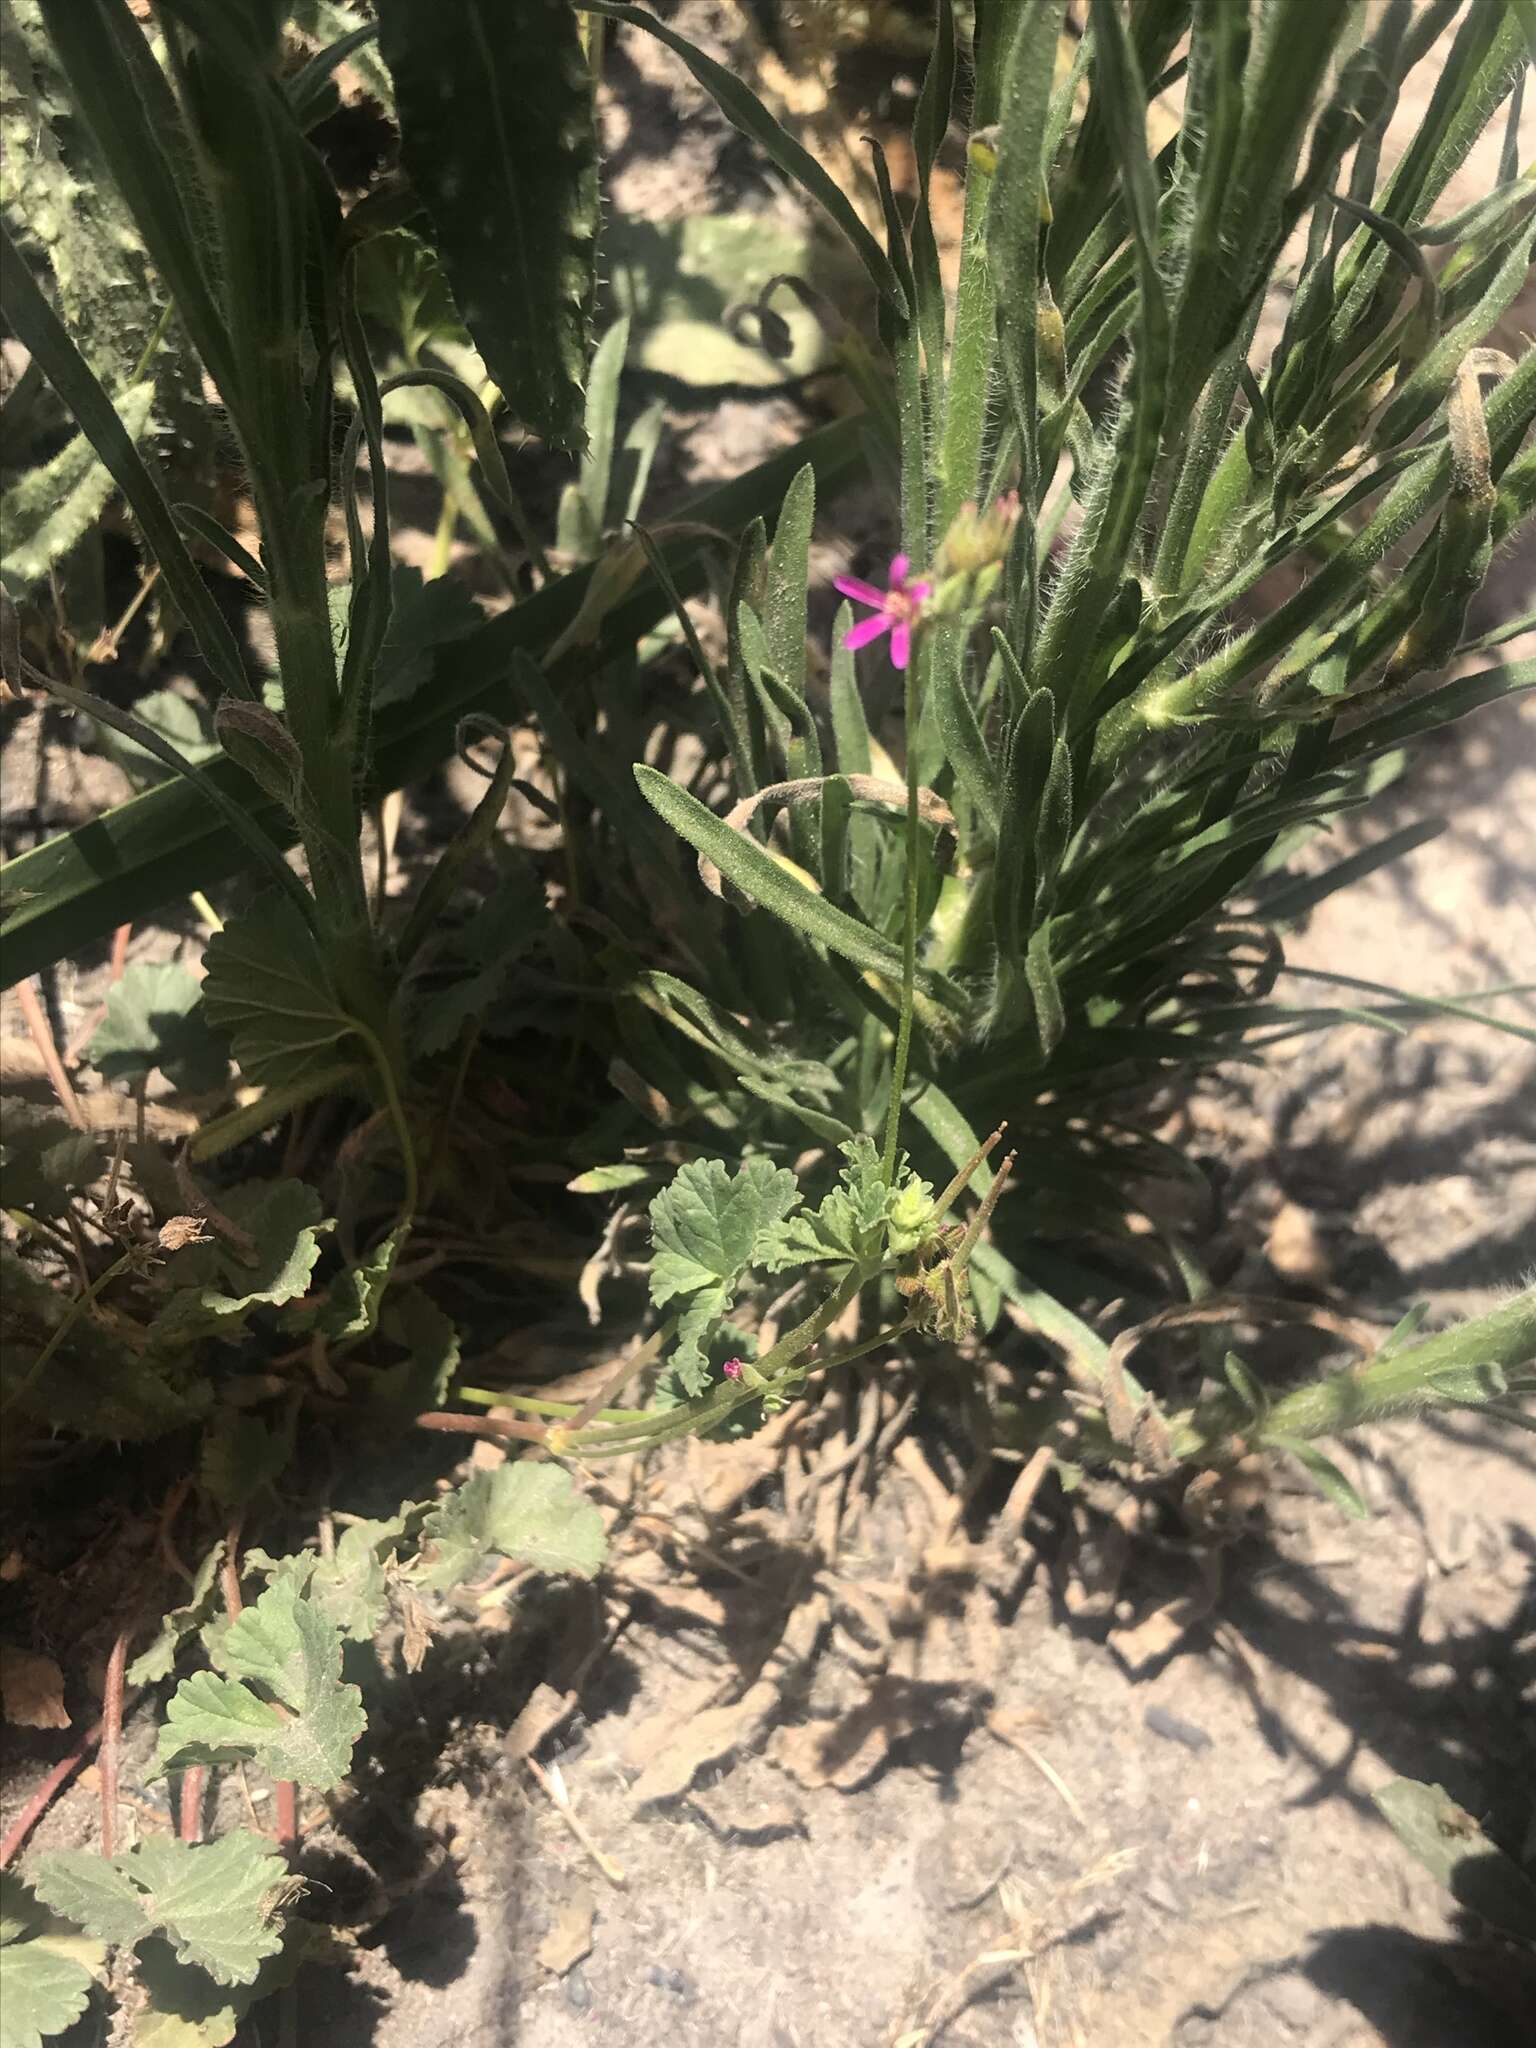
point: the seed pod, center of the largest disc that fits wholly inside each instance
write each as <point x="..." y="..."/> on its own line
<point x="1465" y="544"/>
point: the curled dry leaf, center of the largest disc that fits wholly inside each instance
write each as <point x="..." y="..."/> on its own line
<point x="32" y="1689"/>
<point x="181" y="1231"/>
<point x="873" y="789"/>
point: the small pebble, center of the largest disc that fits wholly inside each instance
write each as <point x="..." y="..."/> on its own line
<point x="1172" y="1729"/>
<point x="578" y="1992"/>
<point x="666" y="1979"/>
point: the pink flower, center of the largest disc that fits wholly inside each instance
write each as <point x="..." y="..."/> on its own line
<point x="896" y="610"/>
<point x="732" y="1368"/>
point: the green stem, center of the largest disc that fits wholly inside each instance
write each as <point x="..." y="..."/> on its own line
<point x="493" y="1397"/>
<point x="225" y="1132"/>
<point x="908" y="931"/>
<point x="776" y="1367"/>
<point x="1465" y="1365"/>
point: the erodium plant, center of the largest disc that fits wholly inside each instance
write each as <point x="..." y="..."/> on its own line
<point x="1012" y="843"/>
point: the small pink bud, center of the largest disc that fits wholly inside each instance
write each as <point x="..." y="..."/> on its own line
<point x="732" y="1368"/>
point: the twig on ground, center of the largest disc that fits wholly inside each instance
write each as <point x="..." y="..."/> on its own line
<point x="112" y="1738"/>
<point x="553" y="1784"/>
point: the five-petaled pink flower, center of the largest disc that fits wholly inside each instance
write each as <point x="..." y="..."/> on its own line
<point x="732" y="1368"/>
<point x="897" y="608"/>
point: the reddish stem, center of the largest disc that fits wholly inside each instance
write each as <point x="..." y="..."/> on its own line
<point x="189" y="1824"/>
<point x="35" y="1017"/>
<point x="287" y="1816"/>
<point x="481" y="1425"/>
<point x="38" y="1804"/>
<point x="112" y="1739"/>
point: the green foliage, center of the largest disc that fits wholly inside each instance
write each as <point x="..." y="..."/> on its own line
<point x="44" y="1158"/>
<point x="709" y="1227"/>
<point x="260" y="1255"/>
<point x="159" y="1659"/>
<point x="1043" y="872"/>
<point x="53" y="506"/>
<point x="529" y="1512"/>
<point x="864" y="1217"/>
<point x="304" y="1731"/>
<point x="497" y="135"/>
<point x="46" y="1969"/>
<point x="154" y="1020"/>
<point x="208" y="1899"/>
<point x="59" y="1368"/>
<point x="269" y="985"/>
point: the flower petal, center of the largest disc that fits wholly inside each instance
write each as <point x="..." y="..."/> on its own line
<point x="901" y="644"/>
<point x="918" y="592"/>
<point x="866" y="630"/>
<point x="900" y="564"/>
<point x="861" y="592"/>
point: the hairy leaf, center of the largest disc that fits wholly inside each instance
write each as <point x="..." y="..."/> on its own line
<point x="157" y="1662"/>
<point x="422" y="618"/>
<point x="171" y="717"/>
<point x="208" y="1899"/>
<point x="422" y="1378"/>
<point x="268" y="986"/>
<point x="1327" y="1477"/>
<point x="44" y="1158"/>
<point x="709" y="1228"/>
<point x="94" y="1893"/>
<point x="264" y="1261"/>
<point x="497" y="133"/>
<point x="529" y="1512"/>
<point x="855" y="1219"/>
<point x="287" y="1647"/>
<point x="153" y="1020"/>
<point x="52" y="507"/>
<point x="42" y="1993"/>
<point x="241" y="1455"/>
<point x="507" y="925"/>
<point x="94" y="1384"/>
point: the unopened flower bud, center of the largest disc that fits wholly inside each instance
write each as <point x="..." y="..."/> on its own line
<point x="976" y="539"/>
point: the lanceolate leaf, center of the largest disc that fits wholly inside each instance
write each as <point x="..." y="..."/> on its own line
<point x="45" y="512"/>
<point x="1454" y="1850"/>
<point x="39" y="327"/>
<point x="497" y="133"/>
<point x="756" y="873"/>
<point x="741" y="106"/>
